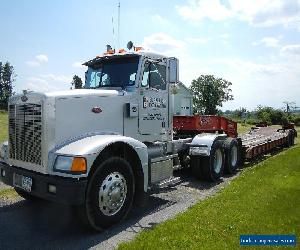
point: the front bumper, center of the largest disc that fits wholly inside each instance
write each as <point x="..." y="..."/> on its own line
<point x="69" y="191"/>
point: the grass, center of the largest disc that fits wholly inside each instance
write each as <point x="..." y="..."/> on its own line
<point x="263" y="200"/>
<point x="243" y="128"/>
<point x="8" y="193"/>
<point x="3" y="126"/>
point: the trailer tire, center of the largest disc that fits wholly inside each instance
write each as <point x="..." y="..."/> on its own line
<point x="210" y="167"/>
<point x="196" y="166"/>
<point x="109" y="194"/>
<point x="232" y="155"/>
<point x="291" y="139"/>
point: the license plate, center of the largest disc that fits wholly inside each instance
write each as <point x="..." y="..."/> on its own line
<point x="22" y="182"/>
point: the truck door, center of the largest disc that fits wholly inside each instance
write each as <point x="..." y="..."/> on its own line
<point x="154" y="103"/>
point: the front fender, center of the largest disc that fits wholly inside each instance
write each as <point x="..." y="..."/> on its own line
<point x="91" y="146"/>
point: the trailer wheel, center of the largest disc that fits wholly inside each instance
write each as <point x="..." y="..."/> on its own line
<point x="109" y="194"/>
<point x="291" y="139"/>
<point x="210" y="167"/>
<point x="232" y="157"/>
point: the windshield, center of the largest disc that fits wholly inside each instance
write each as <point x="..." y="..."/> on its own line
<point x="118" y="72"/>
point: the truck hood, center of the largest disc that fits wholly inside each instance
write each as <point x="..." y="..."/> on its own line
<point x="33" y="96"/>
<point x="83" y="92"/>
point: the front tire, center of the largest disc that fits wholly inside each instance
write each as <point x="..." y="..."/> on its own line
<point x="109" y="194"/>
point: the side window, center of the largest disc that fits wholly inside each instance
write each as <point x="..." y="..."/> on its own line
<point x="93" y="78"/>
<point x="145" y="81"/>
<point x="154" y="76"/>
<point x="105" y="80"/>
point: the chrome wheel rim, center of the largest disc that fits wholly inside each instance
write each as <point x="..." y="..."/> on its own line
<point x="112" y="194"/>
<point x="233" y="155"/>
<point x="218" y="161"/>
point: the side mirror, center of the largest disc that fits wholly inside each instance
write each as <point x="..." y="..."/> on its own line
<point x="173" y="70"/>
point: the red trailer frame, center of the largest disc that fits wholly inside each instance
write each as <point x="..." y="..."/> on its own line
<point x="204" y="123"/>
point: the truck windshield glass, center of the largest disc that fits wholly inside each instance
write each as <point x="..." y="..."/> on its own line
<point x="118" y="72"/>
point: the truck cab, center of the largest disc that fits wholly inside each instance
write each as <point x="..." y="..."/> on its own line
<point x="97" y="143"/>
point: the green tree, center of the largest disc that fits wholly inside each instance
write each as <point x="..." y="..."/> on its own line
<point x="240" y="112"/>
<point x="209" y="93"/>
<point x="76" y="82"/>
<point x="7" y="78"/>
<point x="271" y="115"/>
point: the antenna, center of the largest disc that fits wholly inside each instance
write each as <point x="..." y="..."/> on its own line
<point x="113" y="30"/>
<point x="119" y="7"/>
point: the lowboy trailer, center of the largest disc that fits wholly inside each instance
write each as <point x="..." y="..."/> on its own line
<point x="104" y="147"/>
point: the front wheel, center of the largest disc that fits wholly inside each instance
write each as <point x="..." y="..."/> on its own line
<point x="109" y="194"/>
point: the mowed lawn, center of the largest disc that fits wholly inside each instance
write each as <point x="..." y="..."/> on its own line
<point x="265" y="199"/>
<point x="3" y="126"/>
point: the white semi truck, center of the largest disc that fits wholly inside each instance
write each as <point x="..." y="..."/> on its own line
<point x="104" y="147"/>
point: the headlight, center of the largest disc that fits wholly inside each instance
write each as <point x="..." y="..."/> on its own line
<point x="63" y="163"/>
<point x="199" y="151"/>
<point x="69" y="164"/>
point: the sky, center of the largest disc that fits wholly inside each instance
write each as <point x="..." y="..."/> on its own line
<point x="253" y="44"/>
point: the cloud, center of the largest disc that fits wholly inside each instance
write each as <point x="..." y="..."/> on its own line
<point x="198" y="10"/>
<point x="57" y="78"/>
<point x="293" y="49"/>
<point x="39" y="59"/>
<point x="38" y="84"/>
<point x="47" y="83"/>
<point x="163" y="43"/>
<point x="32" y="63"/>
<point x="266" y="13"/>
<point x="78" y="65"/>
<point x="161" y="20"/>
<point x="268" y="42"/>
<point x="197" y="40"/>
<point x="224" y="36"/>
<point x="260" y="13"/>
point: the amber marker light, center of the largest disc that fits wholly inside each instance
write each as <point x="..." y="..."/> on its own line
<point x="78" y="165"/>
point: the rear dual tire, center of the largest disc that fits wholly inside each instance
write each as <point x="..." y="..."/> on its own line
<point x="232" y="155"/>
<point x="210" y="167"/>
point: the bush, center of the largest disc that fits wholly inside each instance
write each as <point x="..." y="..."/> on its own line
<point x="296" y="120"/>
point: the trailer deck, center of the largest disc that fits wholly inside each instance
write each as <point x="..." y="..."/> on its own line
<point x="261" y="140"/>
<point x="258" y="141"/>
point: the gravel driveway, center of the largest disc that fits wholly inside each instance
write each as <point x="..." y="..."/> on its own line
<point x="45" y="225"/>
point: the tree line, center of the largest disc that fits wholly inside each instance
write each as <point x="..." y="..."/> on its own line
<point x="7" y="78"/>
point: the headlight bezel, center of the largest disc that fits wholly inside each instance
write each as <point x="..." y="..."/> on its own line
<point x="69" y="164"/>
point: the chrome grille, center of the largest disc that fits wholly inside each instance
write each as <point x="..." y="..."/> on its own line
<point x="25" y="129"/>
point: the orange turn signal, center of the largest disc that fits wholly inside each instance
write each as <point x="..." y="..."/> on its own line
<point x="79" y="165"/>
<point x="138" y="48"/>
